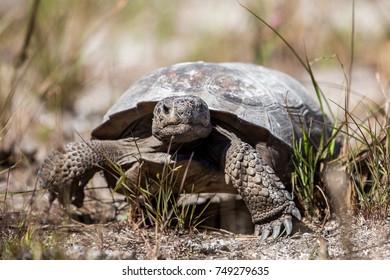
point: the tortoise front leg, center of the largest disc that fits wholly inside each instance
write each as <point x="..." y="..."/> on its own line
<point x="264" y="194"/>
<point x="66" y="172"/>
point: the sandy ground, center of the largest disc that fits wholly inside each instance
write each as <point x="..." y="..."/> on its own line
<point x="113" y="239"/>
<point x="121" y="240"/>
<point x="116" y="237"/>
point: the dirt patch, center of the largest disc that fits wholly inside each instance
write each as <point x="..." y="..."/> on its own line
<point x="26" y="223"/>
<point x="362" y="239"/>
<point x="120" y="240"/>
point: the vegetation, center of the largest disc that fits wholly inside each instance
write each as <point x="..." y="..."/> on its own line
<point x="158" y="199"/>
<point x="58" y="57"/>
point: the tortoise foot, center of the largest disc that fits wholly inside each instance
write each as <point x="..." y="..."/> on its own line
<point x="264" y="230"/>
<point x="268" y="201"/>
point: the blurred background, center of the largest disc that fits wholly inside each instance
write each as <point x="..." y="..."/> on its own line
<point x="63" y="63"/>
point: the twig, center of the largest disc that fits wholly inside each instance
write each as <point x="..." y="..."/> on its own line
<point x="30" y="30"/>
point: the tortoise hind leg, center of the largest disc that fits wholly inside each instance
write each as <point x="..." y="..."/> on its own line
<point x="270" y="205"/>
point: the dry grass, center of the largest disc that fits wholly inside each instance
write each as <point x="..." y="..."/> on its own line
<point x="58" y="58"/>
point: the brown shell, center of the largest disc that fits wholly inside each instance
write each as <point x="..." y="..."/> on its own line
<point x="237" y="93"/>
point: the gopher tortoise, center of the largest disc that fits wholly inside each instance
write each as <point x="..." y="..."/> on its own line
<point x="232" y="123"/>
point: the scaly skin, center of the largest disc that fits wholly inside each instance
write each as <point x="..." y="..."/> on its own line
<point x="260" y="188"/>
<point x="66" y="172"/>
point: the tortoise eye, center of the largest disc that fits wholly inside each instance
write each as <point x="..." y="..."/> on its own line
<point x="166" y="109"/>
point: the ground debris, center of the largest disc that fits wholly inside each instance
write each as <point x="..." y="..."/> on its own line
<point x="121" y="240"/>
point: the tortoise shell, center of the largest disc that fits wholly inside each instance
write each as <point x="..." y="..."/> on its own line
<point x="253" y="99"/>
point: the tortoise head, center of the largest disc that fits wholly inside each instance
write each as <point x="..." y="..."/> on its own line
<point x="181" y="118"/>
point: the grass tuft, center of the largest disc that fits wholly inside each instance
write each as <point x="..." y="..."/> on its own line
<point x="367" y="165"/>
<point x="159" y="199"/>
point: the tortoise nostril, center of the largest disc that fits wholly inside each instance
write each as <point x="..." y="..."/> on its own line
<point x="180" y="112"/>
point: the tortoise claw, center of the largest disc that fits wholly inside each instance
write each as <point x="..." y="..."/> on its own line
<point x="257" y="230"/>
<point x="287" y="195"/>
<point x="265" y="233"/>
<point x="275" y="227"/>
<point x="295" y="212"/>
<point x="227" y="179"/>
<point x="275" y="231"/>
<point x="287" y="225"/>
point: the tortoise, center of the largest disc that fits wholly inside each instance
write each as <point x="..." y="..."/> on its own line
<point x="233" y="123"/>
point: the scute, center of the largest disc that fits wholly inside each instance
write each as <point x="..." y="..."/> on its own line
<point x="265" y="98"/>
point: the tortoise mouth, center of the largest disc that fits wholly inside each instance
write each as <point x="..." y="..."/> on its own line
<point x="181" y="132"/>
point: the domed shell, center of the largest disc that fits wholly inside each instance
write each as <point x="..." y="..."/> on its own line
<point x="240" y="94"/>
